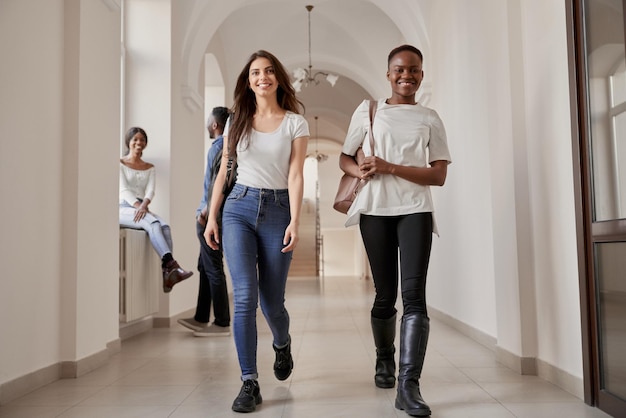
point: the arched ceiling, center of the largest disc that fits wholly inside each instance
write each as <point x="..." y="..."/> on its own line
<point x="350" y="38"/>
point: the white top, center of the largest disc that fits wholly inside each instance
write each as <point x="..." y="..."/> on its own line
<point x="409" y="135"/>
<point x="136" y="184"/>
<point x="264" y="162"/>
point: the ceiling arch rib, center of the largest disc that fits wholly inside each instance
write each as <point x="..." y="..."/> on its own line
<point x="198" y="35"/>
<point x="350" y="38"/>
<point x="348" y="47"/>
<point x="356" y="17"/>
<point x="408" y="16"/>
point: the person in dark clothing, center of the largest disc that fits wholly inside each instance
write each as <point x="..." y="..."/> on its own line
<point x="212" y="288"/>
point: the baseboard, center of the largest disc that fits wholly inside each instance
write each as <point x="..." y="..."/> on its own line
<point x="162" y="322"/>
<point x="523" y="365"/>
<point x="115" y="346"/>
<point x="469" y="331"/>
<point x="71" y="369"/>
<point x="564" y="380"/>
<point x="62" y="370"/>
<point x="25" y="384"/>
<point x="170" y="322"/>
<point x="130" y="329"/>
<point x="74" y="369"/>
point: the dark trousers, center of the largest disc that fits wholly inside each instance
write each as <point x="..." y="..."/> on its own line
<point x="212" y="284"/>
<point x="383" y="236"/>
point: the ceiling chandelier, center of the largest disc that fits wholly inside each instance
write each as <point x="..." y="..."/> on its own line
<point x="318" y="156"/>
<point x="305" y="77"/>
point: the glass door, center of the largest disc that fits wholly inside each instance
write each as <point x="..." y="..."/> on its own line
<point x="600" y="68"/>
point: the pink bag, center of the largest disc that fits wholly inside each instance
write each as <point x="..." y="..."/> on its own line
<point x="349" y="186"/>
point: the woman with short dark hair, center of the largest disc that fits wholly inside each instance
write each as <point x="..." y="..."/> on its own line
<point x="395" y="213"/>
<point x="137" y="186"/>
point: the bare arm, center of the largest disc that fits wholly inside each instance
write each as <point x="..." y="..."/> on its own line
<point x="211" y="232"/>
<point x="434" y="175"/>
<point x="349" y="166"/>
<point x="295" y="183"/>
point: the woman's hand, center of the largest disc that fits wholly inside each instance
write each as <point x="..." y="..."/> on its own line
<point x="140" y="213"/>
<point x="212" y="234"/>
<point x="374" y="165"/>
<point x="290" y="240"/>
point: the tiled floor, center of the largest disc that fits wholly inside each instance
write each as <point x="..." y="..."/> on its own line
<point x="171" y="373"/>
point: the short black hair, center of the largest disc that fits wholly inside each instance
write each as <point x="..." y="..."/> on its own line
<point x="401" y="48"/>
<point x="220" y="114"/>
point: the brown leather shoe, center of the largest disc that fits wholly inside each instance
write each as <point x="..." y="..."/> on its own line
<point x="172" y="274"/>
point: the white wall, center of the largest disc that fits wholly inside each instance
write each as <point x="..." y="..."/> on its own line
<point x="31" y="144"/>
<point x="506" y="262"/>
<point x="96" y="128"/>
<point x="60" y="123"/>
<point x="551" y="183"/>
<point x="186" y="180"/>
<point x="461" y="279"/>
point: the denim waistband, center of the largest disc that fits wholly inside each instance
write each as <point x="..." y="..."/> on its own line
<point x="254" y="191"/>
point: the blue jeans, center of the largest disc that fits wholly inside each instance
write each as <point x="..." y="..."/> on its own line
<point x="253" y="225"/>
<point x="158" y="230"/>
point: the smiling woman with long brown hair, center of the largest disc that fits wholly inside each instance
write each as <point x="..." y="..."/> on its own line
<point x="261" y="214"/>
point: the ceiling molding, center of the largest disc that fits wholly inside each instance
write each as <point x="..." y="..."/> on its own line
<point x="192" y="100"/>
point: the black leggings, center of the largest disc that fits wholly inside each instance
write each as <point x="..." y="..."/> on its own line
<point x="383" y="236"/>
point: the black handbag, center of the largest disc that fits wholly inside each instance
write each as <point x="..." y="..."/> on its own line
<point x="231" y="176"/>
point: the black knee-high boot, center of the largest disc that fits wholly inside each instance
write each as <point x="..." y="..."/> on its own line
<point x="384" y="331"/>
<point x="413" y="340"/>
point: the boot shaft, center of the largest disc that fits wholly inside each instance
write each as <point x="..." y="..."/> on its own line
<point x="414" y="332"/>
<point x="384" y="332"/>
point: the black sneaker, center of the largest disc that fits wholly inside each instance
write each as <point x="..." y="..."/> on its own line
<point x="284" y="362"/>
<point x="249" y="397"/>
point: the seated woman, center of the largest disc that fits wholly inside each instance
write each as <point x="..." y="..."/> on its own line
<point x="137" y="184"/>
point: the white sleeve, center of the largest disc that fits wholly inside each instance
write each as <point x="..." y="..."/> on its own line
<point x="151" y="186"/>
<point x="301" y="129"/>
<point x="359" y="125"/>
<point x="125" y="191"/>
<point x="438" y="142"/>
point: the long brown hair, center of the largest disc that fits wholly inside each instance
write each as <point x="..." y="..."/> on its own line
<point x="245" y="100"/>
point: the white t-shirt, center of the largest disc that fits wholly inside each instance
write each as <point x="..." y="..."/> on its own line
<point x="136" y="184"/>
<point x="409" y="135"/>
<point x="264" y="162"/>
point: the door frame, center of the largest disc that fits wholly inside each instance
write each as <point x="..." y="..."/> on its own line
<point x="587" y="233"/>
